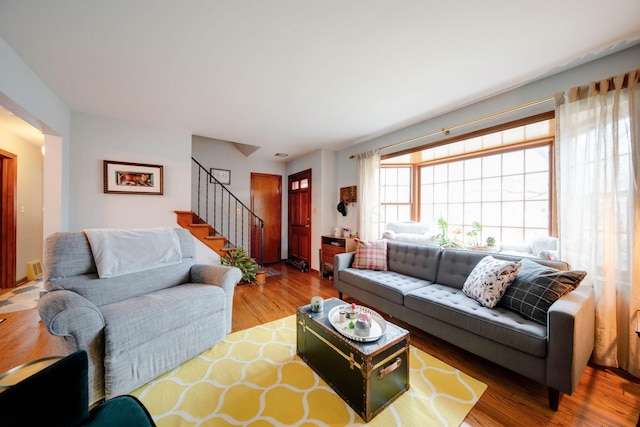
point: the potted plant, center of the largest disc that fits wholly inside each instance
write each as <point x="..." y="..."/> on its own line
<point x="491" y="241"/>
<point x="443" y="238"/>
<point x="476" y="229"/>
<point x="251" y="271"/>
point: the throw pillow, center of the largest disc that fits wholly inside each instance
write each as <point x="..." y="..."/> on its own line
<point x="370" y="255"/>
<point x="489" y="279"/>
<point x="536" y="287"/>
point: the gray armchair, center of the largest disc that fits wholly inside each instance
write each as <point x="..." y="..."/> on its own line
<point x="136" y="326"/>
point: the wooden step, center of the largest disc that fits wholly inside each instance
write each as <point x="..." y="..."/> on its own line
<point x="202" y="231"/>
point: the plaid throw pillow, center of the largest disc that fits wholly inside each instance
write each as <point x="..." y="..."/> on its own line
<point x="371" y="255"/>
<point x="536" y="287"/>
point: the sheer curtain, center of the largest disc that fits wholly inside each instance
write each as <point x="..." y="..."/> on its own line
<point x="598" y="180"/>
<point x="368" y="194"/>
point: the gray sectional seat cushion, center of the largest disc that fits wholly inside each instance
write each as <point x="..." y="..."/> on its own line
<point x="423" y="287"/>
<point x="137" y="326"/>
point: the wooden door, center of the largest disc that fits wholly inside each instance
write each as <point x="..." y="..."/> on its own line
<point x="266" y="202"/>
<point x="299" y="191"/>
<point x="8" y="220"/>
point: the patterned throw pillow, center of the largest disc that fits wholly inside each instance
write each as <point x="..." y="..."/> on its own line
<point x="536" y="287"/>
<point x="489" y="280"/>
<point x="371" y="255"/>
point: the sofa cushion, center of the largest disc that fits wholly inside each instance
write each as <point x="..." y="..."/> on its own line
<point x="134" y="321"/>
<point x="390" y="285"/>
<point x="148" y="335"/>
<point x="451" y="305"/>
<point x="371" y="255"/>
<point x="489" y="279"/>
<point x="414" y="260"/>
<point x="536" y="287"/>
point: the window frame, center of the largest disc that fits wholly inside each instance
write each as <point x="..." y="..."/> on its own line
<point x="518" y="146"/>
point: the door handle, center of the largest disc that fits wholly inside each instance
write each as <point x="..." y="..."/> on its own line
<point x="307" y="226"/>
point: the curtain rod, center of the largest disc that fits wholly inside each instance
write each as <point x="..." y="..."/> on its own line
<point x="469" y="122"/>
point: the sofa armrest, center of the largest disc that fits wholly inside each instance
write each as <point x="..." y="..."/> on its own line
<point x="219" y="275"/>
<point x="342" y="262"/>
<point x="68" y="314"/>
<point x="571" y="330"/>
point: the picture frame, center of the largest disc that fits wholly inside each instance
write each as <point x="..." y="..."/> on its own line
<point x="133" y="178"/>
<point x="222" y="175"/>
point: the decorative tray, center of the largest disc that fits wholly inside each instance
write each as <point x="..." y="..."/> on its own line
<point x="378" y="324"/>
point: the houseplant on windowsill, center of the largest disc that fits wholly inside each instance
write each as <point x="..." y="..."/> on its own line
<point x="442" y="239"/>
<point x="251" y="271"/>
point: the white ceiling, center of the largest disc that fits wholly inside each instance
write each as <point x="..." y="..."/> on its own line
<point x="293" y="75"/>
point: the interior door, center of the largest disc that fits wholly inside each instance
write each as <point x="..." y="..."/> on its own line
<point x="266" y="202"/>
<point x="8" y="220"/>
<point x="299" y="225"/>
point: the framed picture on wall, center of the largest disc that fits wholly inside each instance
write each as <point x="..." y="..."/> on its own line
<point x="132" y="178"/>
<point x="223" y="176"/>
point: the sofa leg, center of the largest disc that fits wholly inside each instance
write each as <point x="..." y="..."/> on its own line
<point x="554" y="399"/>
<point x="340" y="295"/>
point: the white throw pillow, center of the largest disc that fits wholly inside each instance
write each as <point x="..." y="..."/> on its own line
<point x="490" y="279"/>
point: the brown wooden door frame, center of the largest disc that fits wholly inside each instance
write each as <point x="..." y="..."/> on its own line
<point x="299" y="234"/>
<point x="8" y="220"/>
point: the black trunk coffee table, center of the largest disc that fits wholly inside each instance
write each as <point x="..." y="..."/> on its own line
<point x="367" y="375"/>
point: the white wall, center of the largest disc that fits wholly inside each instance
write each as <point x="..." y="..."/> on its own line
<point x="22" y="88"/>
<point x="29" y="199"/>
<point x="95" y="139"/>
<point x="215" y="153"/>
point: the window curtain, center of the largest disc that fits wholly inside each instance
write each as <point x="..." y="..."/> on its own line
<point x="368" y="194"/>
<point x="598" y="179"/>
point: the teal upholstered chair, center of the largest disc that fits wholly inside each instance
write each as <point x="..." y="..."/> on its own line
<point x="58" y="395"/>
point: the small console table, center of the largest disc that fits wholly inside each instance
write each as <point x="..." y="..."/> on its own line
<point x="332" y="245"/>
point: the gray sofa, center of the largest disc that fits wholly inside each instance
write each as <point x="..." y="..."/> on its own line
<point x="423" y="287"/>
<point x="137" y="326"/>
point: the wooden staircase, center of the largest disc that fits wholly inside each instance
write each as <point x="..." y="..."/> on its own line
<point x="203" y="232"/>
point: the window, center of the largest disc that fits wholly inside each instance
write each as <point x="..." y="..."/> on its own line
<point x="395" y="194"/>
<point x="500" y="179"/>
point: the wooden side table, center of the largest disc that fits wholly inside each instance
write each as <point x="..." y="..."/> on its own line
<point x="332" y="245"/>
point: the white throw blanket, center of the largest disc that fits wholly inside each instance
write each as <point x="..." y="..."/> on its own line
<point x="118" y="252"/>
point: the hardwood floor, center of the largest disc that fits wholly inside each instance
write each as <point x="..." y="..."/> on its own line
<point x="604" y="397"/>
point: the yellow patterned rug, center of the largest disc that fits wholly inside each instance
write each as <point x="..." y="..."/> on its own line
<point x="254" y="377"/>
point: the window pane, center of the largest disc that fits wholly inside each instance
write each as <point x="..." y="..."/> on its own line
<point x="513" y="214"/>
<point x="491" y="189"/>
<point x="537" y="186"/>
<point x="404" y="194"/>
<point x="404" y="176"/>
<point x="492" y="166"/>
<point x="456" y="213"/>
<point x="513" y="187"/>
<point x="426" y="174"/>
<point x="537" y="159"/>
<point x="473" y="190"/>
<point x="440" y="193"/>
<point x="440" y="173"/>
<point x="537" y="214"/>
<point x="456" y="171"/>
<point x="491" y="214"/>
<point x="513" y="163"/>
<point x="472" y="211"/>
<point x="473" y="168"/>
<point x="456" y="192"/>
